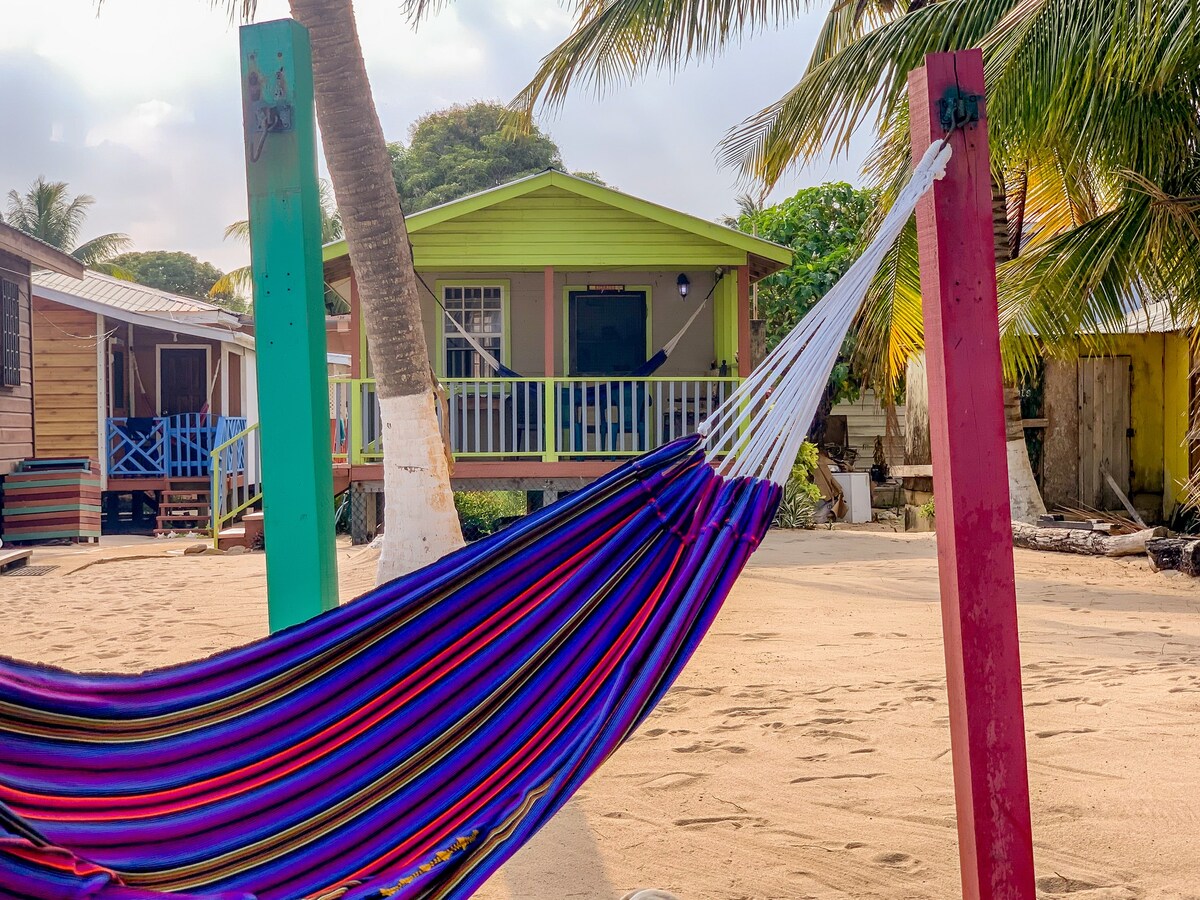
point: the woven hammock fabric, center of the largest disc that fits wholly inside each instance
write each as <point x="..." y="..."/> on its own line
<point x="402" y="745"/>
<point x="406" y="744"/>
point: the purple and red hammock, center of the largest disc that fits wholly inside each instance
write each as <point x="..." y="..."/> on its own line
<point x="407" y="743"/>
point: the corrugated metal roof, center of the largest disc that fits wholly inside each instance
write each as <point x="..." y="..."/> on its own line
<point x="1158" y="318"/>
<point x="132" y="297"/>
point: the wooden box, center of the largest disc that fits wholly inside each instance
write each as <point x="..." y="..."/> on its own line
<point x="52" y="499"/>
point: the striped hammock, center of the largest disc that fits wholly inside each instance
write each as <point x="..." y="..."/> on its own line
<point x="406" y="744"/>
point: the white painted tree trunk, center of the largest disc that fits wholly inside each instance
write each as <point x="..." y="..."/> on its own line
<point x="421" y="523"/>
<point x="1023" y="494"/>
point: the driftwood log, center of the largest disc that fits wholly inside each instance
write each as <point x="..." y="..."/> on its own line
<point x="1087" y="543"/>
<point x="1175" y="553"/>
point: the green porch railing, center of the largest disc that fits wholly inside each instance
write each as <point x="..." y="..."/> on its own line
<point x="544" y="419"/>
<point x="236" y="478"/>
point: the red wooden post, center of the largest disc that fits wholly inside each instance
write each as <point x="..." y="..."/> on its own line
<point x="970" y="481"/>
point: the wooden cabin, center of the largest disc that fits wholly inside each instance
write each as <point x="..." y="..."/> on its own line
<point x="147" y="382"/>
<point x="20" y="254"/>
<point x="574" y="288"/>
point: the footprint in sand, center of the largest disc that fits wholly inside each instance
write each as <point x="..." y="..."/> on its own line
<point x="1058" y="885"/>
<point x="749" y="711"/>
<point x="673" y="781"/>
<point x="896" y="860"/>
<point x="807" y="778"/>
<point x="709" y="747"/>
<point x="1050" y="734"/>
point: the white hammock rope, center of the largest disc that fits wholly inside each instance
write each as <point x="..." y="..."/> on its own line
<point x="758" y="430"/>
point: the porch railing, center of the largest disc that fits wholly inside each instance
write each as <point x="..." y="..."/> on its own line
<point x="236" y="466"/>
<point x="537" y="418"/>
<point x="177" y="446"/>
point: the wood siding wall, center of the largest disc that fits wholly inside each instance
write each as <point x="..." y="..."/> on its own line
<point x="16" y="403"/>
<point x="65" y="410"/>
<point x="865" y="421"/>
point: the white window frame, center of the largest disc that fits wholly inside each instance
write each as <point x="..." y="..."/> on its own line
<point x="443" y="330"/>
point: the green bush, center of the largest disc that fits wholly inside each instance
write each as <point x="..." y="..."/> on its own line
<point x="484" y="512"/>
<point x="797" y="508"/>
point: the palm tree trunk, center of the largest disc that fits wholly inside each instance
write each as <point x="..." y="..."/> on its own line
<point x="422" y="524"/>
<point x="1023" y="494"/>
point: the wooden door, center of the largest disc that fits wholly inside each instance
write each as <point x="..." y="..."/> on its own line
<point x="1104" y="429"/>
<point x="183" y="380"/>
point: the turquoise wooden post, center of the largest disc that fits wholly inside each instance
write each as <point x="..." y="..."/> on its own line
<point x="289" y="313"/>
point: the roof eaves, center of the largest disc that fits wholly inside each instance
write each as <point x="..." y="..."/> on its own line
<point x="160" y="321"/>
<point x="38" y="252"/>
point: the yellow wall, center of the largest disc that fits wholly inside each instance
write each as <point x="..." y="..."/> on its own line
<point x="1176" y="366"/>
<point x="1146" y="413"/>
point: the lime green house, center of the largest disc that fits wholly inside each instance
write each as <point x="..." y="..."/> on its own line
<point x="546" y="304"/>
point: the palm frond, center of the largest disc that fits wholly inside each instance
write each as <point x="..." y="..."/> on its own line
<point x="238" y="282"/>
<point x="113" y="270"/>
<point x="615" y="41"/>
<point x="865" y="81"/>
<point x="239" y="230"/>
<point x="102" y="248"/>
<point x="238" y="10"/>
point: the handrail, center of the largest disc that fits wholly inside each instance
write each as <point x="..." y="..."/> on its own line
<point x="236" y="456"/>
<point x="538" y="418"/>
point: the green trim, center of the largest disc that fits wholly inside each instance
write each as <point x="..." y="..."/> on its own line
<point x="566" y="322"/>
<point x="38" y="510"/>
<point x="578" y="186"/>
<point x="85" y="479"/>
<point x="439" y="327"/>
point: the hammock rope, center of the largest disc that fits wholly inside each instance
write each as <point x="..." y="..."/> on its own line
<point x="407" y="743"/>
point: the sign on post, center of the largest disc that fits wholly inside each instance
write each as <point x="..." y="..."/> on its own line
<point x="289" y="314"/>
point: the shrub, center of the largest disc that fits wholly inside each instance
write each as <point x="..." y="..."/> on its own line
<point x="481" y="513"/>
<point x="797" y="508"/>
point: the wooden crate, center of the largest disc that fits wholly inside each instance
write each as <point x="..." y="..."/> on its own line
<point x="52" y="499"/>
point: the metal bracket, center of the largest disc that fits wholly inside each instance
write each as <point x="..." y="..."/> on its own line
<point x="272" y="109"/>
<point x="958" y="110"/>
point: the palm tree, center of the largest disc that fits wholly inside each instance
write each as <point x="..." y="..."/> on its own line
<point x="48" y="212"/>
<point x="1093" y="111"/>
<point x="423" y="525"/>
<point x="239" y="281"/>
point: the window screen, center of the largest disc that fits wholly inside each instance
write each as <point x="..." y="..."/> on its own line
<point x="10" y="333"/>
<point x="479" y="311"/>
<point x="608" y="332"/>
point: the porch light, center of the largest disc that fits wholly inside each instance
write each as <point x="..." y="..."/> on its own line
<point x="684" y="285"/>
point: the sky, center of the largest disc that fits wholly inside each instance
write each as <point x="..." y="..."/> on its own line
<point x="138" y="105"/>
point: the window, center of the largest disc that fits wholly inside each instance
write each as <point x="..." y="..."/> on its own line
<point x="10" y="333"/>
<point x="479" y="311"/>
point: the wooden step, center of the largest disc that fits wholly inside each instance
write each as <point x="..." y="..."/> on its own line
<point x="14" y="559"/>
<point x="234" y="536"/>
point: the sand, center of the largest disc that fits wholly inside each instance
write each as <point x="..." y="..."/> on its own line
<point x="804" y="751"/>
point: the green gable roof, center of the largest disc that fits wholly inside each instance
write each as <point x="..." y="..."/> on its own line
<point x="557" y="219"/>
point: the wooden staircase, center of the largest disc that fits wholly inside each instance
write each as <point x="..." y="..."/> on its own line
<point x="184" y="507"/>
<point x="248" y="534"/>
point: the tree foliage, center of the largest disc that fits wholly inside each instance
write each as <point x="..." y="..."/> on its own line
<point x="463" y="150"/>
<point x="175" y="272"/>
<point x="1095" y="136"/>
<point x="823" y="225"/>
<point x="48" y="212"/>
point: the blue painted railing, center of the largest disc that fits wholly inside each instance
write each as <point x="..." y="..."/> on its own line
<point x="173" y="446"/>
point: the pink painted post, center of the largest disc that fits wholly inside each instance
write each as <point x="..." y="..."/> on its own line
<point x="548" y="327"/>
<point x="970" y="482"/>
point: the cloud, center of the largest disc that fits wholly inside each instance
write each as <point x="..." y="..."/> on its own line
<point x="141" y="108"/>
